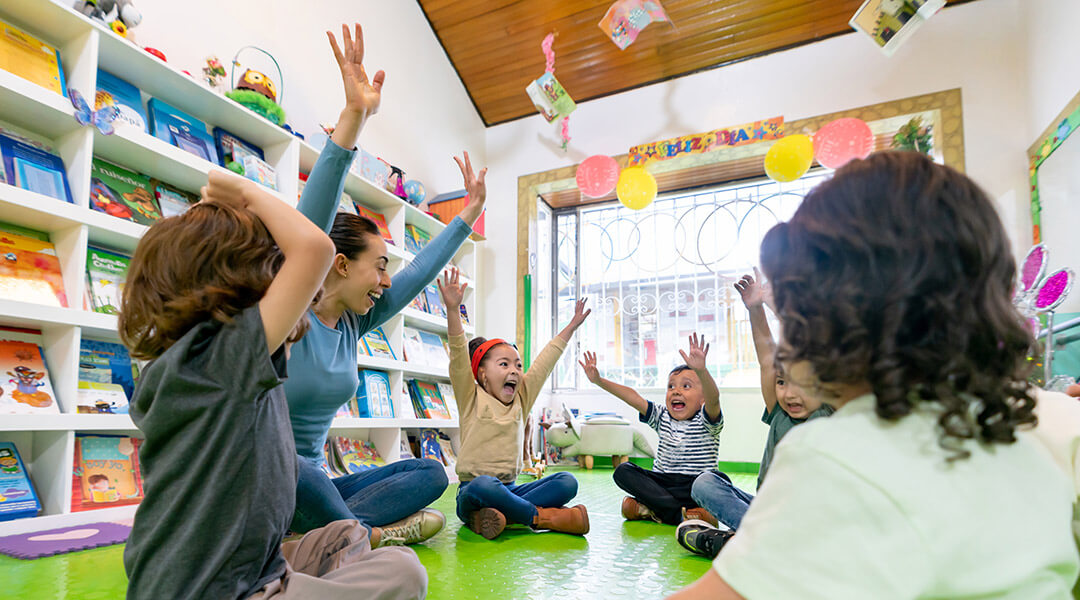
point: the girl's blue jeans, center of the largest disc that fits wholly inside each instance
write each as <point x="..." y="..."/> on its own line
<point x="516" y="502"/>
<point x="374" y="497"/>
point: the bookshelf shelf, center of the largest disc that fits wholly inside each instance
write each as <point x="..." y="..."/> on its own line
<point x="46" y="441"/>
<point x="430" y="322"/>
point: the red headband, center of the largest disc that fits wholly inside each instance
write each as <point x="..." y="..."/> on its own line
<point x="481" y="351"/>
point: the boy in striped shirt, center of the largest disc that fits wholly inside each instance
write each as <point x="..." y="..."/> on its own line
<point x="689" y="424"/>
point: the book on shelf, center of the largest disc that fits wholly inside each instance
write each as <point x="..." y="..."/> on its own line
<point x="419" y="302"/>
<point x="379" y="220"/>
<point x="106" y="472"/>
<point x="331" y="465"/>
<point x="426" y="398"/>
<point x="26" y="232"/>
<point x="347" y="206"/>
<point x="180" y="129"/>
<point x="412" y="345"/>
<point x="446" y="391"/>
<point x="25" y="383"/>
<point x="415" y="238"/>
<point x="464" y="315"/>
<point x="107" y="272"/>
<point x="26" y="56"/>
<point x="232" y="148"/>
<point x="17" y="496"/>
<point x="114" y="91"/>
<point x="34" y="169"/>
<point x="172" y="201"/>
<point x="121" y="193"/>
<point x="429" y="445"/>
<point x="30" y="271"/>
<point x="373" y="169"/>
<point x="433" y="352"/>
<point x="373" y="395"/>
<point x="376" y="344"/>
<point x="357" y="456"/>
<point x="405" y="451"/>
<point x="434" y="301"/>
<point x="107" y="377"/>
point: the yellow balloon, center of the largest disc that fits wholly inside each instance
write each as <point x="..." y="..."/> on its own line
<point x="636" y="188"/>
<point x="789" y="158"/>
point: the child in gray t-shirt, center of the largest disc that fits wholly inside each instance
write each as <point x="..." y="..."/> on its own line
<point x="785" y="407"/>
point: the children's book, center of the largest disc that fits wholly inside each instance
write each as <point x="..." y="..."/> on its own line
<point x="406" y="451"/>
<point x="106" y="472"/>
<point x="181" y="130"/>
<point x="415" y="238"/>
<point x="358" y="456"/>
<point x="889" y="23"/>
<point x="104" y="398"/>
<point x="549" y="97"/>
<point x="434" y="301"/>
<point x="119" y="192"/>
<point x="34" y="169"/>
<point x="464" y="315"/>
<point x="446" y="391"/>
<point x="413" y="345"/>
<point x="114" y="91"/>
<point x="433" y="352"/>
<point x="30" y="58"/>
<point x="172" y="201"/>
<point x="448" y="454"/>
<point x="25" y="386"/>
<point x="30" y="271"/>
<point x="107" y="363"/>
<point x="379" y="219"/>
<point x="17" y="496"/>
<point x="373" y="395"/>
<point x="429" y="445"/>
<point x="229" y="145"/>
<point x="427" y="395"/>
<point x="376" y="344"/>
<point x="419" y="302"/>
<point x="374" y="169"/>
<point x="346" y="205"/>
<point x="107" y="271"/>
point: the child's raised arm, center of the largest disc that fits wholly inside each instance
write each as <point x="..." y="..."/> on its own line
<point x="627" y="394"/>
<point x="696" y="361"/>
<point x="754" y="296"/>
<point x="452" y="290"/>
<point x="308" y="252"/>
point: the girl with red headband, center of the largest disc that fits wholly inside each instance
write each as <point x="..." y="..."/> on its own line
<point x="494" y="395"/>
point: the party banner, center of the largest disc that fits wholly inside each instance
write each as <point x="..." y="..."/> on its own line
<point x="699" y="143"/>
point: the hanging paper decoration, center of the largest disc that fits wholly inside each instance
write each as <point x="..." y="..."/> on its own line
<point x="750" y="133"/>
<point x="889" y="23"/>
<point x="636" y="188"/>
<point x="841" y="141"/>
<point x="789" y="158"/>
<point x="549" y="96"/>
<point x="625" y="19"/>
<point x="597" y="176"/>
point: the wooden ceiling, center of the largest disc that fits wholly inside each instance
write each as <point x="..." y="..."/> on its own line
<point x="495" y="44"/>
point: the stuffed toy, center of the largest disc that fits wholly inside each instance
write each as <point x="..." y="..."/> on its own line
<point x="127" y="16"/>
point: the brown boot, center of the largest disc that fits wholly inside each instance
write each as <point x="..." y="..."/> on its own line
<point x="573" y="520"/>
<point x="487" y="522"/>
<point x="700" y="514"/>
<point x="632" y="510"/>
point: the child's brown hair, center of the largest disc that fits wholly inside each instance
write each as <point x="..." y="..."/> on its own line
<point x="211" y="262"/>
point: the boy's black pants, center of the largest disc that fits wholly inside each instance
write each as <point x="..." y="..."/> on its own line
<point x="665" y="493"/>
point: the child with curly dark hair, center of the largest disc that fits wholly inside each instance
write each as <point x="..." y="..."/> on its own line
<point x="892" y="282"/>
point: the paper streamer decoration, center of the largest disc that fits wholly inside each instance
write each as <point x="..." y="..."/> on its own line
<point x="597" y="176"/>
<point x="841" y="141"/>
<point x="625" y="19"/>
<point x="636" y="188"/>
<point x="789" y="158"/>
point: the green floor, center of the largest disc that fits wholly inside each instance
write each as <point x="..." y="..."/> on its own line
<point x="617" y="558"/>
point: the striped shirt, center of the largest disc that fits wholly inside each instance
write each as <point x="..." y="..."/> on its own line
<point x="688" y="447"/>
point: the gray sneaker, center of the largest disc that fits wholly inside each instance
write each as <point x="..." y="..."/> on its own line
<point x="413" y="529"/>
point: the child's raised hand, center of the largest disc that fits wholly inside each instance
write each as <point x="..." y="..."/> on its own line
<point x="698" y="351"/>
<point x="754" y="293"/>
<point x="580" y="313"/>
<point x="452" y="288"/>
<point x="589" y="365"/>
<point x="361" y="96"/>
<point x="474" y="187"/>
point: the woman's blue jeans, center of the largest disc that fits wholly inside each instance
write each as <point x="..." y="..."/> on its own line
<point x="374" y="497"/>
<point x="516" y="502"/>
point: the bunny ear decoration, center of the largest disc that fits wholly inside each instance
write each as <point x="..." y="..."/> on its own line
<point x="101" y="118"/>
<point x="1033" y="269"/>
<point x="1053" y="290"/>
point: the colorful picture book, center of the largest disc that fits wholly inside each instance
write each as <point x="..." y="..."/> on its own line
<point x="419" y="302"/>
<point x="106" y="472"/>
<point x="346" y="205"/>
<point x="433" y="350"/>
<point x="429" y="445"/>
<point x="447" y="392"/>
<point x="25" y="385"/>
<point x="30" y="271"/>
<point x="550" y="98"/>
<point x="171" y="201"/>
<point x="107" y="273"/>
<point x="180" y="129"/>
<point x="357" y="456"/>
<point x="109" y="374"/>
<point x="375" y="343"/>
<point x="434" y="301"/>
<point x="464" y="315"/>
<point x="889" y="23"/>
<point x="232" y="149"/>
<point x="30" y="58"/>
<point x="374" y="169"/>
<point x="114" y="91"/>
<point x="373" y="395"/>
<point x="17" y="496"/>
<point x="427" y="402"/>
<point x="121" y="193"/>
<point x="34" y="169"/>
<point x="415" y="238"/>
<point x="379" y="220"/>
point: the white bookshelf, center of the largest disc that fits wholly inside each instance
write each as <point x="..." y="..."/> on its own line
<point x="46" y="442"/>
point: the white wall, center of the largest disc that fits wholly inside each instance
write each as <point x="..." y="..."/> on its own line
<point x="977" y="47"/>
<point x="425" y="117"/>
<point x="1051" y="65"/>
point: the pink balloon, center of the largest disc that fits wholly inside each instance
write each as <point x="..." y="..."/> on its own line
<point x="841" y="141"/>
<point x="597" y="176"/>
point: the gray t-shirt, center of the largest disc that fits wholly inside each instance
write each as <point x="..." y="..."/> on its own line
<point x="780" y="423"/>
<point x="219" y="466"/>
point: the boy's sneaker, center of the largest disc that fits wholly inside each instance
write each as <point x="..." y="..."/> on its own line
<point x="701" y="538"/>
<point x="632" y="510"/>
<point x="700" y="514"/>
<point x="487" y="522"/>
<point x="413" y="529"/>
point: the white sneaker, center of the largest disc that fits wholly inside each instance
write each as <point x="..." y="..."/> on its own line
<point x="413" y="529"/>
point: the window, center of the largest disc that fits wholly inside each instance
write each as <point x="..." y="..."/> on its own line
<point x="657" y="275"/>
